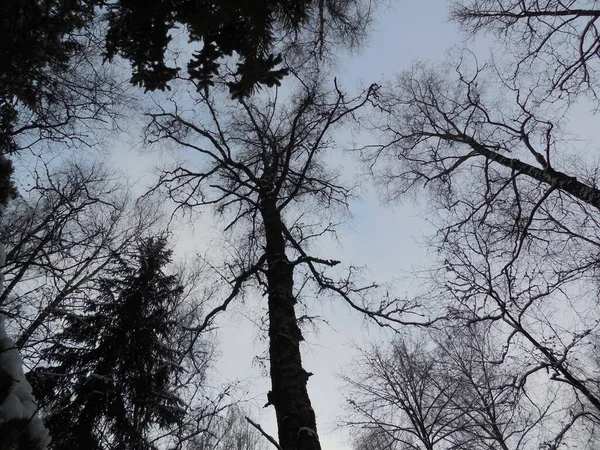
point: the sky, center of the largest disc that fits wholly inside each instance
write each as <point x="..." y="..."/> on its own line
<point x="386" y="239"/>
<point x="383" y="238"/>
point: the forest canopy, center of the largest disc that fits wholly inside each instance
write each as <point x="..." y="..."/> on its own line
<point x="181" y="177"/>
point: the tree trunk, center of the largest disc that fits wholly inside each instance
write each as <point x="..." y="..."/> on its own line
<point x="549" y="176"/>
<point x="295" y="417"/>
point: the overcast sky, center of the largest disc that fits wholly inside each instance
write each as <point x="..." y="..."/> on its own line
<point x="384" y="239"/>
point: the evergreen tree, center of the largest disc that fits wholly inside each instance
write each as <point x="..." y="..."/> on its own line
<point x="255" y="31"/>
<point x="39" y="40"/>
<point x="114" y="364"/>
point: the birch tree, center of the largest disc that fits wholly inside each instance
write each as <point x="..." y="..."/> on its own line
<point x="557" y="41"/>
<point x="516" y="207"/>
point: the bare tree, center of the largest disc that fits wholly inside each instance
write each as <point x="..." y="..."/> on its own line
<point x="556" y="40"/>
<point x="260" y="165"/>
<point x="516" y="214"/>
<point x="71" y="226"/>
<point x="400" y="394"/>
<point x="440" y="127"/>
<point x="499" y="411"/>
<point x="447" y="391"/>
<point x="206" y="402"/>
<point x="543" y="320"/>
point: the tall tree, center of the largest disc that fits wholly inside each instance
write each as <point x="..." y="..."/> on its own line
<point x="516" y="208"/>
<point x="48" y="82"/>
<point x="115" y="362"/>
<point x="261" y="166"/>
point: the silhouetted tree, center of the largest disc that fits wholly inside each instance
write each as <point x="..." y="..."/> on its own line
<point x="38" y="42"/>
<point x="260" y="166"/>
<point x="115" y="362"/>
<point x="516" y="216"/>
<point x="254" y="31"/>
<point x="53" y="85"/>
<point x="556" y="41"/>
<point x="41" y="40"/>
<point x="51" y="79"/>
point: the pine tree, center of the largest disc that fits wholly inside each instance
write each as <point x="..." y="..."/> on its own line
<point x="114" y="364"/>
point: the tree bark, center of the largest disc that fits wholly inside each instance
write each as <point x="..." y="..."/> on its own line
<point x="295" y="416"/>
<point x="549" y="176"/>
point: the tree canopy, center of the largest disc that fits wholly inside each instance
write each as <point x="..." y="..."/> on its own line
<point x="140" y="31"/>
<point x="507" y="314"/>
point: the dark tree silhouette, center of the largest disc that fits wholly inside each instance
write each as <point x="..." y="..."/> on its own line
<point x="254" y="31"/>
<point x="114" y="363"/>
<point x="517" y="214"/>
<point x="51" y="79"/>
<point x="261" y="168"/>
<point x="52" y="75"/>
<point x="556" y="40"/>
<point x="436" y="126"/>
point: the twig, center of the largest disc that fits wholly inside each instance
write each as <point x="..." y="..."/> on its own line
<point x="264" y="433"/>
